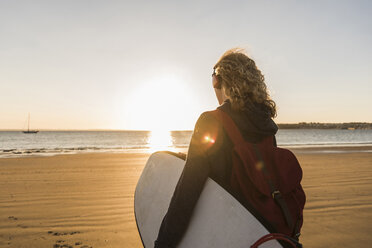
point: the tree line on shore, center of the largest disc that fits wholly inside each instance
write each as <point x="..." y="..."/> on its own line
<point x="317" y="125"/>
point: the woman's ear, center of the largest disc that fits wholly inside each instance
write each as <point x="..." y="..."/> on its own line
<point x="216" y="83"/>
<point x="221" y="94"/>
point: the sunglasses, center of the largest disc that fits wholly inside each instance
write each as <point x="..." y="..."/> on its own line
<point x="214" y="72"/>
<point x="216" y="83"/>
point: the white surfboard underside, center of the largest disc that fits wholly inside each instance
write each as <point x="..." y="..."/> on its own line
<point x="218" y="220"/>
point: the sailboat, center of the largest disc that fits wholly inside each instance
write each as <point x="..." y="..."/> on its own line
<point x="28" y="127"/>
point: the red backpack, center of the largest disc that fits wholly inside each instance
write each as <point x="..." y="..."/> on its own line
<point x="268" y="177"/>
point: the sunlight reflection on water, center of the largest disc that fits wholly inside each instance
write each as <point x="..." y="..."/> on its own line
<point x="160" y="140"/>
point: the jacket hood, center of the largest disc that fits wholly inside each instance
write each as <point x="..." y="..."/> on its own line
<point x="254" y="123"/>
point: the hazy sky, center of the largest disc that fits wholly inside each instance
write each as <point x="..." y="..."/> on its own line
<point x="140" y="64"/>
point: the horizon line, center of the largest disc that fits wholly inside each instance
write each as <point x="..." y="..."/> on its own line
<point x="144" y="130"/>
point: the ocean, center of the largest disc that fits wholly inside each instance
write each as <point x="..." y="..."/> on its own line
<point x="17" y="144"/>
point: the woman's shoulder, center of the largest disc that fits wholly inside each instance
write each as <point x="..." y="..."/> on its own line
<point x="206" y="119"/>
<point x="207" y="125"/>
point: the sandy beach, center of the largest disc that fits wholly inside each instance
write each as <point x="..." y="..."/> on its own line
<point x="86" y="200"/>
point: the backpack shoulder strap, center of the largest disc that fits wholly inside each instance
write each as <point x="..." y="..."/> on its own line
<point x="229" y="126"/>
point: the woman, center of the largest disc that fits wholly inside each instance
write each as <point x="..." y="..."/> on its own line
<point x="242" y="94"/>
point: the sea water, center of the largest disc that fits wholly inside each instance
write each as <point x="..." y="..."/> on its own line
<point x="16" y="143"/>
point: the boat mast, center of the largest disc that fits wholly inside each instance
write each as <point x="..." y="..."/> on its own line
<point x="28" y="128"/>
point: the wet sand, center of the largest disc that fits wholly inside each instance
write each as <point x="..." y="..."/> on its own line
<point x="86" y="200"/>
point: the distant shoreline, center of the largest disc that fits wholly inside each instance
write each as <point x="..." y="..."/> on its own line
<point x="317" y="125"/>
<point x="300" y="125"/>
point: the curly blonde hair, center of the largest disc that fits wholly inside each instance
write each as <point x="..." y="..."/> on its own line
<point x="243" y="82"/>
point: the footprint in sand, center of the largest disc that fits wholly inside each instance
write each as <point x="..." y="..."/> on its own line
<point x="62" y="233"/>
<point x="62" y="246"/>
<point x="12" y="218"/>
<point x="69" y="246"/>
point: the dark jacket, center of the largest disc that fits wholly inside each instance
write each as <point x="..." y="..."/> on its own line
<point x="210" y="159"/>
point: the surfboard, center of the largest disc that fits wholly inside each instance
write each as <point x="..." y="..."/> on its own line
<point x="218" y="220"/>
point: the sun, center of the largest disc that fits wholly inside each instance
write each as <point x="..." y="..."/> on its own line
<point x="161" y="104"/>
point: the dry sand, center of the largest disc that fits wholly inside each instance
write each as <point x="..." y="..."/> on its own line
<point x="86" y="200"/>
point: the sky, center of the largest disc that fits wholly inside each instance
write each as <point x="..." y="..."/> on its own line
<point x="144" y="65"/>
